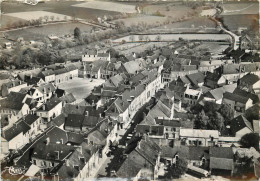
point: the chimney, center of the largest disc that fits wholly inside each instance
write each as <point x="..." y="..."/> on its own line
<point x="67" y="163"/>
<point x="43" y="107"/>
<point x="139" y="145"/>
<point x="20" y="82"/>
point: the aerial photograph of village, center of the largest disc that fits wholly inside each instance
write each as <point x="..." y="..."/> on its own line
<point x="131" y="90"/>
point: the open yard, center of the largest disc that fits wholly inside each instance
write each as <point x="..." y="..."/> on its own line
<point x="38" y="33"/>
<point x="108" y="6"/>
<point x="80" y="87"/>
<point x="214" y="47"/>
<point x="240" y="8"/>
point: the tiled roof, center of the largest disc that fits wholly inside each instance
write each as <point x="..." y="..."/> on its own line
<point x="30" y="119"/>
<point x="74" y="120"/>
<point x="50" y="104"/>
<point x="221" y="152"/>
<point x="246" y="94"/>
<point x="13" y="83"/>
<point x="13" y="101"/>
<point x="18" y="127"/>
<point x="196" y="78"/>
<point x="235" y="97"/>
<point x="239" y="123"/>
<point x="249" y="79"/>
<point x="221" y="163"/>
<point x="60" y="71"/>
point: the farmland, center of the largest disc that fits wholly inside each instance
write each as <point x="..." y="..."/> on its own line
<point x="240" y="8"/>
<point x="171" y="10"/>
<point x="108" y="6"/>
<point x="64" y="8"/>
<point x="33" y="15"/>
<point x="196" y="24"/>
<point x="214" y="47"/>
<point x="79" y="87"/>
<point x="142" y="19"/>
<point x="233" y="22"/>
<point x="38" y="33"/>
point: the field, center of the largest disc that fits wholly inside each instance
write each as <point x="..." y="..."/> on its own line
<point x="64" y="8"/>
<point x="240" y="8"/>
<point x="169" y="9"/>
<point x="196" y="22"/>
<point x="108" y="6"/>
<point x="8" y="21"/>
<point x="33" y="15"/>
<point x="79" y="87"/>
<point x="149" y="20"/>
<point x="233" y="22"/>
<point x="38" y="33"/>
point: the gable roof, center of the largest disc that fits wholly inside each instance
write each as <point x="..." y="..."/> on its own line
<point x="13" y="83"/>
<point x="196" y="78"/>
<point x="221" y="152"/>
<point x="249" y="79"/>
<point x="74" y="120"/>
<point x="246" y="94"/>
<point x="221" y="163"/>
<point x="30" y="118"/>
<point x="13" y="101"/>
<point x="235" y="97"/>
<point x="50" y="104"/>
<point x="18" y="127"/>
<point x="239" y="123"/>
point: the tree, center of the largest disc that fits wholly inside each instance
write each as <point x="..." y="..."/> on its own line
<point x="158" y="38"/>
<point x="77" y="33"/>
<point x="46" y="18"/>
<point x="252" y="113"/>
<point x="132" y="38"/>
<point x="227" y="112"/>
<point x="178" y="169"/>
<point x="3" y="61"/>
<point x="250" y="140"/>
<point x="52" y="18"/>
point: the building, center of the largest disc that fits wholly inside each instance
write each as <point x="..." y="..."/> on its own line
<point x="197" y="137"/>
<point x="250" y="83"/>
<point x="12" y="86"/>
<point x="43" y="92"/>
<point x="61" y="75"/>
<point x="47" y="75"/>
<point x="240" y="126"/>
<point x="17" y="135"/>
<point x="49" y="110"/>
<point x="237" y="102"/>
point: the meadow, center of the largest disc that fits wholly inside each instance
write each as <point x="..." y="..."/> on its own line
<point x="38" y="33"/>
<point x="240" y="8"/>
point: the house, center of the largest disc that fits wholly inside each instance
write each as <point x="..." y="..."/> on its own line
<point x="142" y="161"/>
<point x="237" y="102"/>
<point x="17" y="135"/>
<point x="221" y="160"/>
<point x="95" y="55"/>
<point x="8" y="45"/>
<point x="12" y="86"/>
<point x="246" y="43"/>
<point x="244" y="93"/>
<point x="191" y="96"/>
<point x="29" y="73"/>
<point x="240" y="126"/>
<point x="61" y="75"/>
<point x="74" y="122"/>
<point x="14" y="106"/>
<point x="211" y="80"/>
<point x="72" y="70"/>
<point x="34" y="122"/>
<point x="49" y="110"/>
<point x="43" y="92"/>
<point x="250" y="83"/>
<point x="47" y="75"/>
<point x="196" y="79"/>
<point x="35" y="81"/>
<point x="199" y="137"/>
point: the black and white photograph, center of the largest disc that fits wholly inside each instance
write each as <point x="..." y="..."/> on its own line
<point x="130" y="90"/>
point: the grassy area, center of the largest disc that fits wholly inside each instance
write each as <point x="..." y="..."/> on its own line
<point x="64" y="8"/>
<point x="240" y="8"/>
<point x="79" y="87"/>
<point x="168" y="9"/>
<point x="147" y="19"/>
<point x="108" y="6"/>
<point x="233" y="22"/>
<point x="38" y="33"/>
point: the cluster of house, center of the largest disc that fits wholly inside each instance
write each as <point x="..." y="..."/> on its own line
<point x="52" y="136"/>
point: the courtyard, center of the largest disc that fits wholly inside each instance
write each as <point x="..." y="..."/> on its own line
<point x="80" y="87"/>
